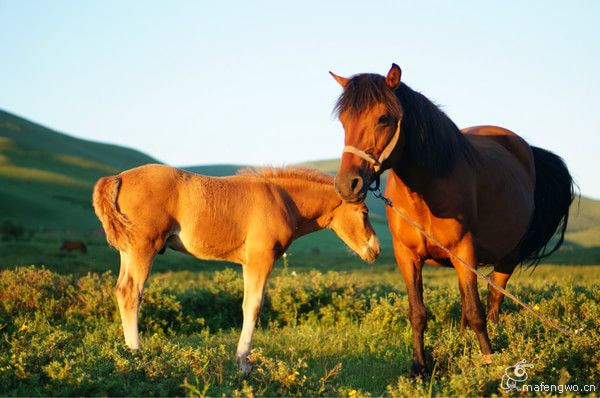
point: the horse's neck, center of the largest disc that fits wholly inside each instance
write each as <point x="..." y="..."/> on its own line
<point x="314" y="202"/>
<point x="430" y="138"/>
<point x="414" y="176"/>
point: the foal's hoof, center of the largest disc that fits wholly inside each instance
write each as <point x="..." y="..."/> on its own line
<point x="244" y="366"/>
<point x="245" y="369"/>
<point x="487" y="359"/>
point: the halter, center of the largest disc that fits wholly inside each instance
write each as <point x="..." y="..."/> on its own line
<point x="371" y="158"/>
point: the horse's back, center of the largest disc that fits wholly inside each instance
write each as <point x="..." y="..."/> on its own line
<point x="481" y="136"/>
<point x="207" y="217"/>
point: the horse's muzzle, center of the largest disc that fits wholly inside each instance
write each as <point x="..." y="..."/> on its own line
<point x="351" y="187"/>
<point x="372" y="250"/>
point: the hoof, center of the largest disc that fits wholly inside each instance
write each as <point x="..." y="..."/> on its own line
<point x="487" y="359"/>
<point x="244" y="366"/>
<point x="493" y="317"/>
<point x="417" y="370"/>
<point x="245" y="369"/>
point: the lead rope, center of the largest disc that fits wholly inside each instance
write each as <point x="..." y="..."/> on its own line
<point x="436" y="242"/>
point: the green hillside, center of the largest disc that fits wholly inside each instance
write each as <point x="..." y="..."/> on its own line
<point x="46" y="177"/>
<point x="215" y="170"/>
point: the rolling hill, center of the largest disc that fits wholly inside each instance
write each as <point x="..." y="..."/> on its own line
<point x="46" y="177"/>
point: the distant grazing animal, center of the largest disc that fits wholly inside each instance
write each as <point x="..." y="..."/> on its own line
<point x="248" y="219"/>
<point x="483" y="192"/>
<point x="74" y="246"/>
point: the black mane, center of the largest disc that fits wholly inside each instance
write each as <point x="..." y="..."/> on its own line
<point x="431" y="139"/>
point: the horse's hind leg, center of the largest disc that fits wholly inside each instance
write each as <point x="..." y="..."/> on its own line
<point x="135" y="267"/>
<point x="495" y="297"/>
<point x="255" y="279"/>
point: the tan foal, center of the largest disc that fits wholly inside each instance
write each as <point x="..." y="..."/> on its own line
<point x="249" y="219"/>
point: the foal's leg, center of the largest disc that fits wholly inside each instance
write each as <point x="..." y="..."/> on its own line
<point x="411" y="268"/>
<point x="495" y="297"/>
<point x="256" y="273"/>
<point x="472" y="310"/>
<point x="135" y="267"/>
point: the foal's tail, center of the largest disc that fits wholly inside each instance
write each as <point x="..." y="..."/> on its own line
<point x="116" y="224"/>
<point x="553" y="196"/>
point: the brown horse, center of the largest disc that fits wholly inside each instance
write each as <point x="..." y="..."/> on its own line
<point x="482" y="192"/>
<point x="74" y="245"/>
<point x="248" y="219"/>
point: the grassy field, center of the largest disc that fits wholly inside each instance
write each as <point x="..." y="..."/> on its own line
<point x="331" y="325"/>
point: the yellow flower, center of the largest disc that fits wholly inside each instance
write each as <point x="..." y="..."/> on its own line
<point x="536" y="307"/>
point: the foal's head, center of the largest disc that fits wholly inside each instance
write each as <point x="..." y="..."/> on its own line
<point x="351" y="223"/>
<point x="371" y="115"/>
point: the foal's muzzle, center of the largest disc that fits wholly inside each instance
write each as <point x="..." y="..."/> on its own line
<point x="371" y="250"/>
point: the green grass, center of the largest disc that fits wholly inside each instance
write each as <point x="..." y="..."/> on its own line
<point x="320" y="333"/>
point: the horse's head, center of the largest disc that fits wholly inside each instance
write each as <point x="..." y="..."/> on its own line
<point x="371" y="115"/>
<point x="351" y="223"/>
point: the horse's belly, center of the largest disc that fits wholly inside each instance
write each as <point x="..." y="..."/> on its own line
<point x="209" y="244"/>
<point x="502" y="222"/>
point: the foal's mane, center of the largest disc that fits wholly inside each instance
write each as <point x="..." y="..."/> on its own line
<point x="295" y="173"/>
<point x="431" y="139"/>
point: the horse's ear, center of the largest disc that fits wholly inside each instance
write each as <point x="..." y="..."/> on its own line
<point x="343" y="81"/>
<point x="392" y="79"/>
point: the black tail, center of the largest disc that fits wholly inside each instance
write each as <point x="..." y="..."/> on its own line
<point x="553" y="196"/>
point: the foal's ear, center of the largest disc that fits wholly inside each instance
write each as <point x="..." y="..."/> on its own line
<point x="343" y="81"/>
<point x="392" y="79"/>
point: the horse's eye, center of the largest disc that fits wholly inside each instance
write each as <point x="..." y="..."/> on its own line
<point x="384" y="120"/>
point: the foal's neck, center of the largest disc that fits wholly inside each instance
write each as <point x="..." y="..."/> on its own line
<point x="314" y="203"/>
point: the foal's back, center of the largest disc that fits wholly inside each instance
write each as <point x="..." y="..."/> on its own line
<point x="207" y="217"/>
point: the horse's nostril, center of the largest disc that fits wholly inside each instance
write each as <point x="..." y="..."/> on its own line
<point x="356" y="184"/>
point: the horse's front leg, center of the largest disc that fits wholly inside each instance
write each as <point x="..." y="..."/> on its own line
<point x="472" y="309"/>
<point x="256" y="273"/>
<point x="411" y="267"/>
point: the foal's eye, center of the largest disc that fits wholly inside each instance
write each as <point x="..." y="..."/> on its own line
<point x="384" y="120"/>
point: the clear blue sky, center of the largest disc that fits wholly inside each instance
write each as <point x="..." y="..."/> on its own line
<point x="223" y="82"/>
